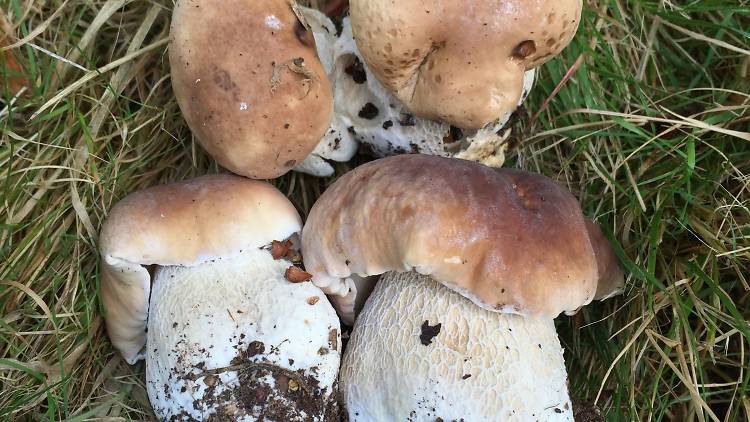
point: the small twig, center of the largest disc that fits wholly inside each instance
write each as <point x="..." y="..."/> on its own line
<point x="249" y="366"/>
<point x="704" y="38"/>
<point x="57" y="57"/>
<point x="296" y="65"/>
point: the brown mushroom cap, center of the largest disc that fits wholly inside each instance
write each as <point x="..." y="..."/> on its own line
<point x="248" y="80"/>
<point x="461" y="62"/>
<point x="509" y="240"/>
<point x="611" y="278"/>
<point x="184" y="223"/>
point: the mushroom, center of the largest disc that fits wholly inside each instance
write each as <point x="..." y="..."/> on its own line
<point x="365" y="112"/>
<point x="223" y="332"/>
<point x="478" y="262"/>
<point x="460" y="62"/>
<point x="368" y="113"/>
<point x="249" y="83"/>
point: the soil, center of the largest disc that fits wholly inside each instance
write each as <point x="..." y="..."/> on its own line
<point x="265" y="392"/>
<point x="357" y="71"/>
<point x="369" y="111"/>
<point x="586" y="412"/>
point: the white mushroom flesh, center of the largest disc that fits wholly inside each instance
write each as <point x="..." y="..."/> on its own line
<point x="476" y="365"/>
<point x="235" y="340"/>
<point x="338" y="143"/>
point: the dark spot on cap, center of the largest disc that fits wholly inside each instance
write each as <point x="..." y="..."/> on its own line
<point x="224" y="80"/>
<point x="290" y="163"/>
<point x="387" y="124"/>
<point x="524" y="49"/>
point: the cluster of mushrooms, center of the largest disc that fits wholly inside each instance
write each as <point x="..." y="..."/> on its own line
<point x="237" y="307"/>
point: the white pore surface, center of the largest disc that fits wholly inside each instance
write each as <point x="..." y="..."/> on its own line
<point x="481" y="366"/>
<point x="337" y="144"/>
<point x="205" y="317"/>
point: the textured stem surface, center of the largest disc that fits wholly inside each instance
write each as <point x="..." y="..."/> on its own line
<point x="234" y="340"/>
<point x="421" y="352"/>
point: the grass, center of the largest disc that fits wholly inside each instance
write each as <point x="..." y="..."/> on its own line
<point x="650" y="131"/>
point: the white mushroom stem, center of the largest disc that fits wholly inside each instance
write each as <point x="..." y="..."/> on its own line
<point x="224" y="333"/>
<point x="479" y="365"/>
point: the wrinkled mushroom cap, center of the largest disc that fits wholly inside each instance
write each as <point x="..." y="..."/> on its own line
<point x="461" y="62"/>
<point x="184" y="223"/>
<point x="509" y="240"/>
<point x="249" y="83"/>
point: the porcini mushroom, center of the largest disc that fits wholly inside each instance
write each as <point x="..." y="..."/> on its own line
<point x="461" y="62"/>
<point x="249" y="83"/>
<point x="223" y="332"/>
<point x="368" y="113"/>
<point x="478" y="262"/>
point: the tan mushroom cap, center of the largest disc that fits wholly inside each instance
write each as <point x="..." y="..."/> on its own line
<point x="611" y="278"/>
<point x="509" y="240"/>
<point x="461" y="62"/>
<point x="248" y="80"/>
<point x="184" y="223"/>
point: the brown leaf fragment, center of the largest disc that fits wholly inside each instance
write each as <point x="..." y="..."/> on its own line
<point x="11" y="72"/>
<point x="296" y="275"/>
<point x="280" y="249"/>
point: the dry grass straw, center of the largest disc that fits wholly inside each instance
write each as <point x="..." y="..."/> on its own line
<point x="650" y="130"/>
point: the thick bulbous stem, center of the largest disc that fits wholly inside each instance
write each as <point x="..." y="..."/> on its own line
<point x="419" y="351"/>
<point x="234" y="340"/>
